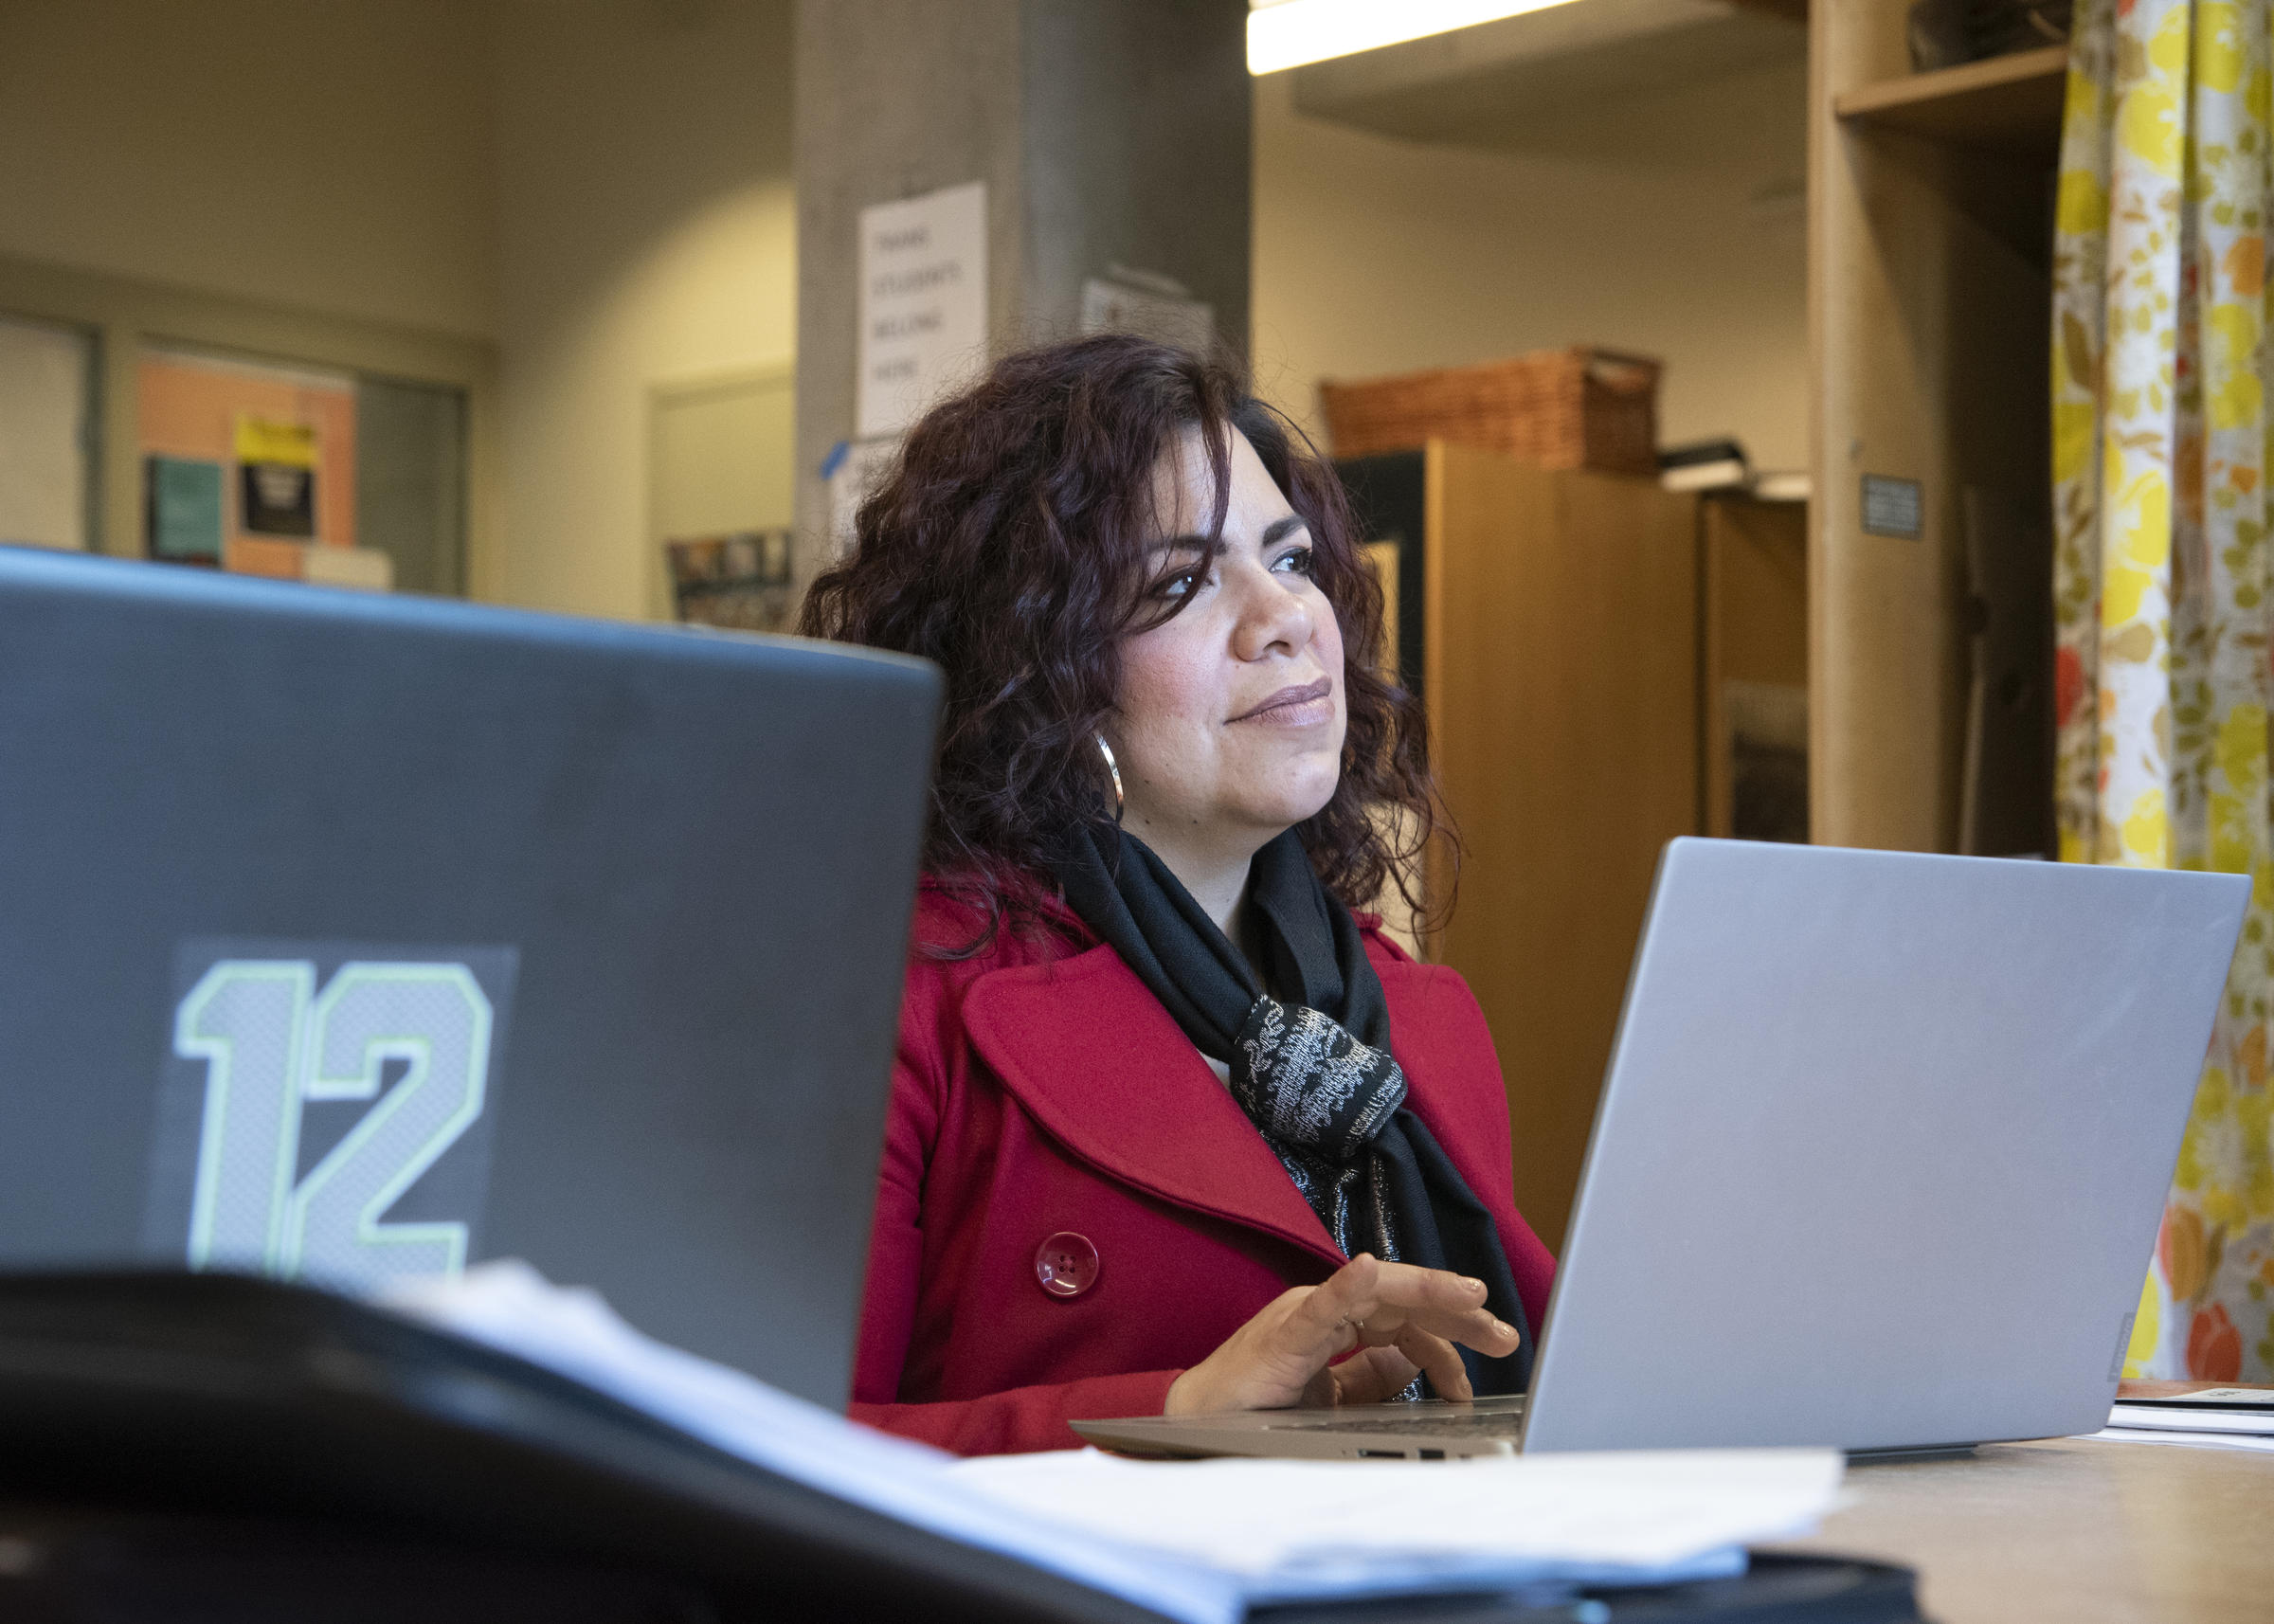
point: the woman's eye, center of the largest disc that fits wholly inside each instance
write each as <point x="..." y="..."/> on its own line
<point x="1181" y="585"/>
<point x="1296" y="560"/>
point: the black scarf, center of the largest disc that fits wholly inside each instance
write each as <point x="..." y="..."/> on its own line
<point x="1314" y="1074"/>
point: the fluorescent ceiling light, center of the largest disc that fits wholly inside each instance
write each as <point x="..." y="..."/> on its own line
<point x="1288" y="33"/>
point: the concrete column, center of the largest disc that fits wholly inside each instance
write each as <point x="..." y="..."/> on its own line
<point x="1108" y="132"/>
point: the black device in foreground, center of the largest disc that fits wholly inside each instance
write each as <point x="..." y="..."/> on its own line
<point x="203" y="1446"/>
<point x="347" y="937"/>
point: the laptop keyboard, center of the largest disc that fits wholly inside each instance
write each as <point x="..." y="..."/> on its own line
<point x="1491" y="1424"/>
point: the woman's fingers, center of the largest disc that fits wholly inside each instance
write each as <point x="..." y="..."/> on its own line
<point x="1396" y="1319"/>
<point x="1390" y="1296"/>
<point x="1371" y="1376"/>
<point x="1438" y="1360"/>
<point x="1332" y="1316"/>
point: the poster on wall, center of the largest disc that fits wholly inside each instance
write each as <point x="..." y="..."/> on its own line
<point x="276" y="463"/>
<point x="183" y="499"/>
<point x="922" y="303"/>
<point x="739" y="581"/>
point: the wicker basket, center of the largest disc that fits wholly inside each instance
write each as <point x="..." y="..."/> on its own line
<point x="1581" y="408"/>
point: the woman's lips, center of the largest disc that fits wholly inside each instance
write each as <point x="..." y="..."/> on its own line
<point x="1295" y="707"/>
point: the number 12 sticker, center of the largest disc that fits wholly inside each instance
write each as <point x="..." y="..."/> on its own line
<point x="335" y="1098"/>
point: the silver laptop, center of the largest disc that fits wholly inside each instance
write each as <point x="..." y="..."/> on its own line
<point x="1878" y="1164"/>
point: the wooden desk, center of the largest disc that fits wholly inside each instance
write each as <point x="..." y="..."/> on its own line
<point x="2073" y="1531"/>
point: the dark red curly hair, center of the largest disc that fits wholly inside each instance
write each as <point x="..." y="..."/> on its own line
<point x="1009" y="546"/>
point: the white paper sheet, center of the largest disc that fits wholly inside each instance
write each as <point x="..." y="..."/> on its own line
<point x="2156" y="1419"/>
<point x="2198" y="1441"/>
<point x="1197" y="1542"/>
<point x="571" y="1330"/>
<point x="1299" y="1528"/>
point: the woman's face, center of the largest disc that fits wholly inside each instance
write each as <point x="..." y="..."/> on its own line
<point x="1229" y="728"/>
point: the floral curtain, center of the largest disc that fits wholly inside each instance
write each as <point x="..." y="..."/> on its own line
<point x="2163" y="589"/>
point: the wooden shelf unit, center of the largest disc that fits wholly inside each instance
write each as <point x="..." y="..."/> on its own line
<point x="1930" y="237"/>
<point x="2010" y="104"/>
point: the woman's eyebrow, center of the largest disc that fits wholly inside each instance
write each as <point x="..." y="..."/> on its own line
<point x="1275" y="532"/>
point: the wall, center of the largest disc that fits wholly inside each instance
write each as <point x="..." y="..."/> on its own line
<point x="601" y="186"/>
<point x="1648" y="233"/>
<point x="648" y="233"/>
<point x="329" y="158"/>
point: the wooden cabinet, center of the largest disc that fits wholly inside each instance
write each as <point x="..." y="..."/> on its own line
<point x="1753" y="667"/>
<point x="1555" y="627"/>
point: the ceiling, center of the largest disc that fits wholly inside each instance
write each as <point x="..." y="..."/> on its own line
<point x="1536" y="82"/>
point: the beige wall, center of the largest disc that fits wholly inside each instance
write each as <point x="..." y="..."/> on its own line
<point x="1647" y="231"/>
<point x="333" y="157"/>
<point x="646" y="232"/>
<point x="600" y="187"/>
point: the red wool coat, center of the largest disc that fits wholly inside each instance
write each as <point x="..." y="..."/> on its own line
<point x="1051" y="1125"/>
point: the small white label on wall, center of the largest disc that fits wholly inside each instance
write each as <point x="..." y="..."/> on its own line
<point x="922" y="303"/>
<point x="1894" y="506"/>
<point x="1149" y="306"/>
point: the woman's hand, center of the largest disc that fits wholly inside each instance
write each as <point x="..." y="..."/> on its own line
<point x="1403" y="1320"/>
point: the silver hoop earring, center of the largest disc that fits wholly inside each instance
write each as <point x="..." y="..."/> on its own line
<point x="1113" y="768"/>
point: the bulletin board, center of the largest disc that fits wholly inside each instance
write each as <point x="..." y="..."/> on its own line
<point x="245" y="464"/>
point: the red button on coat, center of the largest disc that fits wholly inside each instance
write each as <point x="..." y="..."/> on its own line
<point x="1066" y="1264"/>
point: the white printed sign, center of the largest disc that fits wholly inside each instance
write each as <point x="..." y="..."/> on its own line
<point x="922" y="303"/>
<point x="853" y="471"/>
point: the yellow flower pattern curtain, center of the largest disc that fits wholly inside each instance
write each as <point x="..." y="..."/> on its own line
<point x="2163" y="593"/>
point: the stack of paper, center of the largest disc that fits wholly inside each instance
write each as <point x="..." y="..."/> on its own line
<point x="1197" y="1542"/>
<point x="1302" y="1530"/>
<point x="2209" y="1418"/>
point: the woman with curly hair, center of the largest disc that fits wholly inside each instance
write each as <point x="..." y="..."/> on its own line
<point x="1175" y="1127"/>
